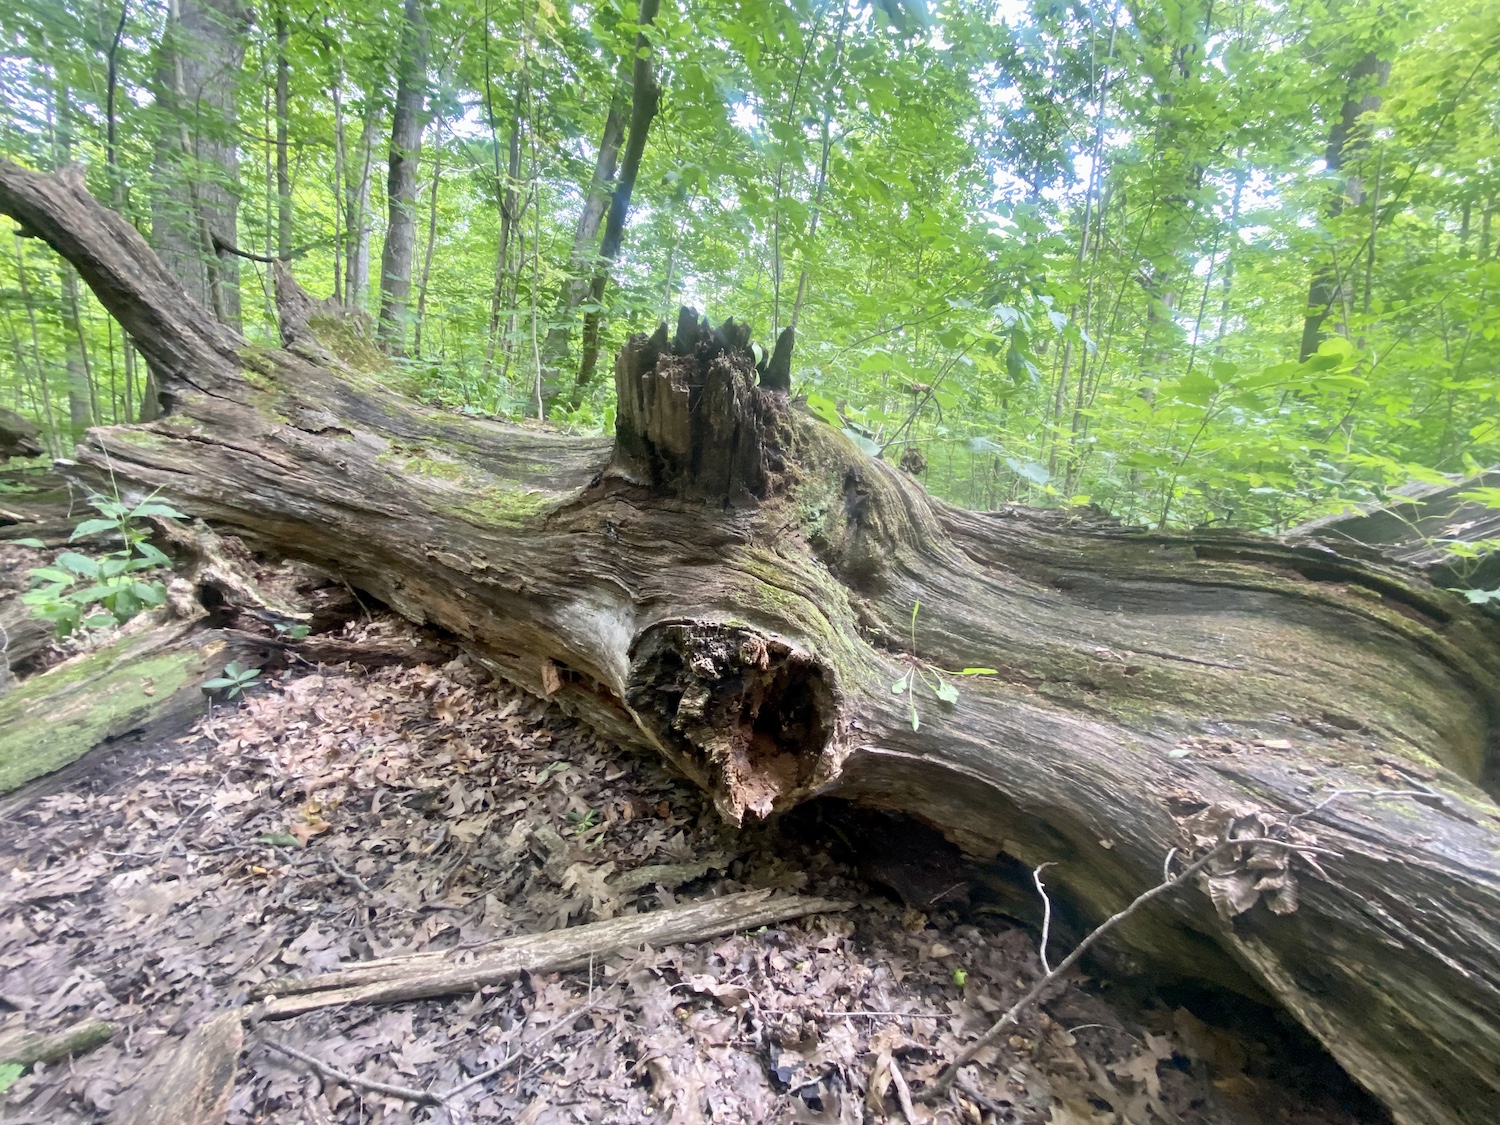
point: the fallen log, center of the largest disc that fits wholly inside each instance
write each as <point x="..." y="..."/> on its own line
<point x="196" y="1081"/>
<point x="143" y="681"/>
<point x="417" y="976"/>
<point x="26" y="1047"/>
<point x="734" y="585"/>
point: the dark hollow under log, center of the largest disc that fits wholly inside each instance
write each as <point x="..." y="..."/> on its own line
<point x="734" y="585"/>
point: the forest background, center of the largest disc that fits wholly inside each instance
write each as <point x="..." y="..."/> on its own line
<point x="1194" y="261"/>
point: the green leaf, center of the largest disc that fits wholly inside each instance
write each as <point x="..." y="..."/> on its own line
<point x="78" y="564"/>
<point x="821" y="406"/>
<point x="9" y="1072"/>
<point x="51" y="574"/>
<point x="1178" y="753"/>
<point x="863" y="442"/>
<point x="155" y="508"/>
<point x="152" y="555"/>
<point x="37" y="543"/>
<point x="93" y="527"/>
<point x="900" y="685"/>
<point x="946" y="691"/>
<point x="279" y="839"/>
<point x="976" y="672"/>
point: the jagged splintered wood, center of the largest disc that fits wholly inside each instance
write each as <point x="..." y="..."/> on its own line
<point x="732" y="584"/>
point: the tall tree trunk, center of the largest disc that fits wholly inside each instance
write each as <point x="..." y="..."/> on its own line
<point x="1345" y="141"/>
<point x="506" y="187"/>
<point x="116" y="177"/>
<point x="581" y="261"/>
<point x="645" y="96"/>
<point x="732" y="584"/>
<point x="432" y="226"/>
<point x="407" y="124"/>
<point x="357" y="207"/>
<point x="196" y="166"/>
<point x="197" y="158"/>
<point x="283" y="173"/>
<point x="83" y="407"/>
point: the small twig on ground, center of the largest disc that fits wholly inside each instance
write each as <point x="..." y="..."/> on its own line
<point x="442" y="1098"/>
<point x="944" y="1081"/>
<point x="546" y="1033"/>
<point x="349" y="877"/>
<point x="903" y="1093"/>
<point x="405" y="1093"/>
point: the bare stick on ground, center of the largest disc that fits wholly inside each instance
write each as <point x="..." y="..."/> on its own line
<point x="419" y="975"/>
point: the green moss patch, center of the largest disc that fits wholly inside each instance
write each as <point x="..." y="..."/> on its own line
<point x="57" y="717"/>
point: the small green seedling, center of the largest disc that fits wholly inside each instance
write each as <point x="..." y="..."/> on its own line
<point x="236" y="678"/>
<point x="930" y="677"/>
<point x="81" y="590"/>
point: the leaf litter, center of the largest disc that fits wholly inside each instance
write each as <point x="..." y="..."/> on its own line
<point x="341" y="814"/>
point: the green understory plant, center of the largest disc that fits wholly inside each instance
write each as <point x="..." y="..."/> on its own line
<point x="931" y="678"/>
<point x="236" y="678"/>
<point x="93" y="591"/>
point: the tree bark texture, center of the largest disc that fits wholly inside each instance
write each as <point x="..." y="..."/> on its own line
<point x="586" y="236"/>
<point x="407" y="123"/>
<point x="732" y="584"/>
<point x="1328" y="286"/>
<point x="197" y="157"/>
<point x="645" y="97"/>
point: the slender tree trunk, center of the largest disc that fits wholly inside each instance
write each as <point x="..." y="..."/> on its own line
<point x="283" y="175"/>
<point x="1345" y="140"/>
<point x="817" y="206"/>
<point x="644" y="99"/>
<point x="357" y="207"/>
<point x="581" y="261"/>
<point x="432" y="224"/>
<point x="407" y="124"/>
<point x="44" y="392"/>
<point x="506" y="185"/>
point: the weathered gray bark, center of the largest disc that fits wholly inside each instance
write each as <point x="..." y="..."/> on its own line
<point x="734" y="585"/>
<point x="408" y="121"/>
<point x="19" y="437"/>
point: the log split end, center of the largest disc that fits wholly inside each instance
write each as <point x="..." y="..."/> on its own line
<point x="751" y="713"/>
<point x="691" y="419"/>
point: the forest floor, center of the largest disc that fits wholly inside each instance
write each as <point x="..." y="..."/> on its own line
<point x="339" y="814"/>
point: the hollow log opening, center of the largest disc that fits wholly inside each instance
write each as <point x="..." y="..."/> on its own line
<point x="752" y="712"/>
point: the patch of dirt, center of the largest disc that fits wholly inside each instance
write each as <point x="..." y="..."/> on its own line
<point x="343" y="814"/>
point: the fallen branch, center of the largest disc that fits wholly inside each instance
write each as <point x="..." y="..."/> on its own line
<point x="944" y="1081"/>
<point x="420" y="975"/>
<point x="405" y="1093"/>
<point x="27" y="1047"/>
<point x="443" y="1098"/>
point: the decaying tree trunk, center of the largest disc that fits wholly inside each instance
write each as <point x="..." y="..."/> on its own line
<point x="735" y="586"/>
